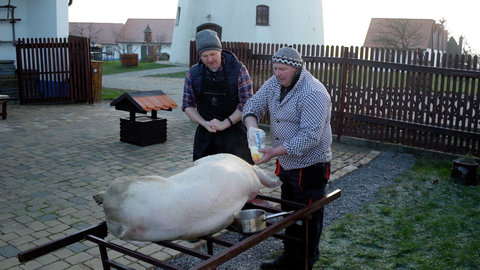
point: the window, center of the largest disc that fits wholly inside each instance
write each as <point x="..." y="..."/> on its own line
<point x="177" y="22"/>
<point x="262" y="15"/>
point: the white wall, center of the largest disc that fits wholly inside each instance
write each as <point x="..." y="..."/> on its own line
<point x="51" y="22"/>
<point x="7" y="50"/>
<point x="62" y="18"/>
<point x="290" y="22"/>
<point x="39" y="19"/>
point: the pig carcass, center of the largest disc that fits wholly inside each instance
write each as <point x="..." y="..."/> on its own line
<point x="198" y="201"/>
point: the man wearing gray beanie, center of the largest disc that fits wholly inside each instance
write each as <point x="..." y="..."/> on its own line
<point x="300" y="112"/>
<point x="207" y="40"/>
<point x="215" y="91"/>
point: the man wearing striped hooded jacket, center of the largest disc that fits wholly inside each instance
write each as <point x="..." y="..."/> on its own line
<point x="300" y="112"/>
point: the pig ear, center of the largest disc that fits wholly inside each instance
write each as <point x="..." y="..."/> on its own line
<point x="267" y="179"/>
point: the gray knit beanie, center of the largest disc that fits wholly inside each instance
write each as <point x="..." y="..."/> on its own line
<point x="288" y="56"/>
<point x="207" y="40"/>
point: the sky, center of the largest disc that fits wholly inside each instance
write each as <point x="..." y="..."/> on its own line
<point x="345" y="21"/>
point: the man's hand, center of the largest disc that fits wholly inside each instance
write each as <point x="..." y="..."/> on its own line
<point x="269" y="153"/>
<point x="195" y="116"/>
<point x="208" y="126"/>
<point x="218" y="125"/>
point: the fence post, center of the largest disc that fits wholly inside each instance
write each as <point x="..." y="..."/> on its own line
<point x="343" y="83"/>
<point x="18" y="51"/>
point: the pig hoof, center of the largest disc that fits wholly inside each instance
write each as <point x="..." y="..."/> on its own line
<point x="193" y="240"/>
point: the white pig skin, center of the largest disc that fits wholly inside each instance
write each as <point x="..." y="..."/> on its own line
<point x="200" y="200"/>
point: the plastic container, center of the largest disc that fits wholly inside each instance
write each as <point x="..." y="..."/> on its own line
<point x="256" y="141"/>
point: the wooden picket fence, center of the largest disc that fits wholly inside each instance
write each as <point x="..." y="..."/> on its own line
<point x="54" y="70"/>
<point x="430" y="101"/>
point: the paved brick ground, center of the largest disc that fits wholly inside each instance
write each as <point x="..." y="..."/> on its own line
<point x="54" y="158"/>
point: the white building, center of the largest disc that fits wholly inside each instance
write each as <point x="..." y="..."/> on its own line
<point x="254" y="21"/>
<point x="31" y="19"/>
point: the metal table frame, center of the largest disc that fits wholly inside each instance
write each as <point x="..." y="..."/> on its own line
<point x="98" y="232"/>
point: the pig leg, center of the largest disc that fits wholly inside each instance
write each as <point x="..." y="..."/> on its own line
<point x="267" y="179"/>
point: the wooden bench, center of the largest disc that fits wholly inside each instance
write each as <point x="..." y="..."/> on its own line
<point x="3" y="101"/>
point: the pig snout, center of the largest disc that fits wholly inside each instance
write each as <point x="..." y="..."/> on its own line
<point x="98" y="198"/>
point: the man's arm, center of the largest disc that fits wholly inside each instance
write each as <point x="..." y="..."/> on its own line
<point x="250" y="121"/>
<point x="222" y="125"/>
<point x="245" y="88"/>
<point x="197" y="118"/>
<point x="245" y="92"/>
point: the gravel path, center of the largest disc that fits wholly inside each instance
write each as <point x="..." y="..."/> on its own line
<point x="357" y="188"/>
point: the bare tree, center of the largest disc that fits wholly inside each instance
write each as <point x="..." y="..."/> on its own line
<point x="87" y="30"/>
<point x="93" y="33"/>
<point x="123" y="43"/>
<point x="399" y="34"/>
<point x="119" y="38"/>
<point x="160" y="40"/>
<point x="466" y="48"/>
<point x="443" y="23"/>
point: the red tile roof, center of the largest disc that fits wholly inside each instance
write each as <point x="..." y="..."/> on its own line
<point x="144" y="101"/>
<point x="159" y="102"/>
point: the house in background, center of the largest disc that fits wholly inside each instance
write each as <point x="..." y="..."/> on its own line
<point x="117" y="38"/>
<point x="131" y="38"/>
<point x="406" y="34"/>
<point x="30" y="19"/>
<point x="102" y="35"/>
<point x="253" y="21"/>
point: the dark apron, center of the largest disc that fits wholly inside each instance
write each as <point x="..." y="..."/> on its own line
<point x="216" y="101"/>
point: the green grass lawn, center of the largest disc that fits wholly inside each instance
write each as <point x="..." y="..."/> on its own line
<point x="423" y="221"/>
<point x="180" y="74"/>
<point x="111" y="94"/>
<point x="114" y="67"/>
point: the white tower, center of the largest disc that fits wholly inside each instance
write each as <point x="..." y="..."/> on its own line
<point x="260" y="21"/>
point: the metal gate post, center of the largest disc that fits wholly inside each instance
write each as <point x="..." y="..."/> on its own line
<point x="341" y="107"/>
